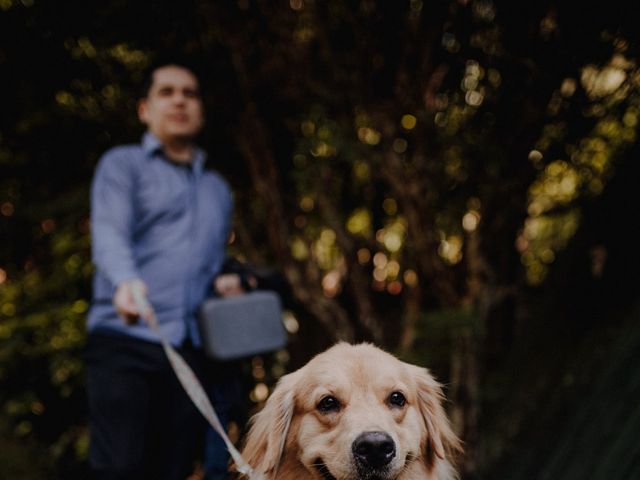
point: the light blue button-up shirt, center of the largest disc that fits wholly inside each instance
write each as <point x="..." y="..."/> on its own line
<point x="164" y="223"/>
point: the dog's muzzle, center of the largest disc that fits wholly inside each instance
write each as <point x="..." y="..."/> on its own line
<point x="323" y="470"/>
<point x="373" y="451"/>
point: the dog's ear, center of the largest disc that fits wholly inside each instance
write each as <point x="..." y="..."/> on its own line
<point x="441" y="442"/>
<point x="267" y="436"/>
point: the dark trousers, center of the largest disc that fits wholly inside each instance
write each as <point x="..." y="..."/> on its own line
<point x="142" y="423"/>
<point x="229" y="397"/>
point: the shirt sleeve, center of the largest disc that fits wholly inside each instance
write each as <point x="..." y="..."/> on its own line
<point x="229" y="212"/>
<point x="227" y="219"/>
<point x="112" y="217"/>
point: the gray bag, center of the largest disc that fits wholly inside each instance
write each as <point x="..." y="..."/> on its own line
<point x="242" y="325"/>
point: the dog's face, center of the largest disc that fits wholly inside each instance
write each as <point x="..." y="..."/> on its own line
<point x="353" y="413"/>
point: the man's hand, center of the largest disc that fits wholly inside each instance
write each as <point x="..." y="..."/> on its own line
<point x="124" y="303"/>
<point x="228" y="285"/>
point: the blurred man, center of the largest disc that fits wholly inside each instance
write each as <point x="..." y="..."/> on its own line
<point x="160" y="222"/>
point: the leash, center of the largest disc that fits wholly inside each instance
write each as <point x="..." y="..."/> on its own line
<point x="190" y="383"/>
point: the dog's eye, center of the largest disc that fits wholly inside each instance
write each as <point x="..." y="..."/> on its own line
<point x="329" y="404"/>
<point x="397" y="399"/>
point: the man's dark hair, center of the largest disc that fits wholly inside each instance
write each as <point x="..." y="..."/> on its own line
<point x="147" y="79"/>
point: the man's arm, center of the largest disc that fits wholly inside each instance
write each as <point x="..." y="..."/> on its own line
<point x="112" y="225"/>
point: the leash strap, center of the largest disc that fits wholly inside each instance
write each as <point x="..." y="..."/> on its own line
<point x="190" y="382"/>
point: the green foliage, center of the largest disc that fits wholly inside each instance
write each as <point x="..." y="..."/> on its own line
<point x="436" y="331"/>
<point x="15" y="464"/>
<point x="587" y="425"/>
<point x="41" y="340"/>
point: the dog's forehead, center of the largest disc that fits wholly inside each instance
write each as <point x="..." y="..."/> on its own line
<point x="351" y="362"/>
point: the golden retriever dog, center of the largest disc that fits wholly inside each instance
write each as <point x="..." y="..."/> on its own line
<point x="354" y="412"/>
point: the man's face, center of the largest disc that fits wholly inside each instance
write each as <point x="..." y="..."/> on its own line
<point x="172" y="109"/>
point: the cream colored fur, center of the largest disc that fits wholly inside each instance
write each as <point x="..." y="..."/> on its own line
<point x="291" y="434"/>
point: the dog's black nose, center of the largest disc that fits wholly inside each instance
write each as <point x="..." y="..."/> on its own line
<point x="374" y="449"/>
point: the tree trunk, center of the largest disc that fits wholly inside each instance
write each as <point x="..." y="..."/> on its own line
<point x="358" y="281"/>
<point x="411" y="314"/>
<point x="464" y="396"/>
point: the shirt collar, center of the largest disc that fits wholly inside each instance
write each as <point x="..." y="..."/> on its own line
<point x="152" y="146"/>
